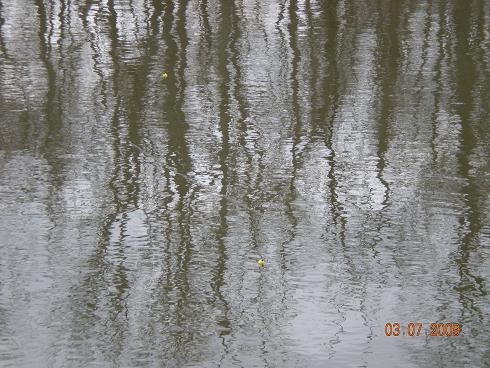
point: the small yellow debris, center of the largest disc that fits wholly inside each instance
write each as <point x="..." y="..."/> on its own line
<point x="261" y="262"/>
<point x="164" y="75"/>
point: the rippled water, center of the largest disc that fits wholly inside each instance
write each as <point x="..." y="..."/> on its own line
<point x="346" y="142"/>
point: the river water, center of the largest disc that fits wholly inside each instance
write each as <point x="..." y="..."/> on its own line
<point x="152" y="151"/>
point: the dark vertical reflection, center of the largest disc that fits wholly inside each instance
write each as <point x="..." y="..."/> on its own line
<point x="97" y="52"/>
<point x="69" y="60"/>
<point x="123" y="193"/>
<point x="438" y="77"/>
<point x="26" y="124"/>
<point x="157" y="7"/>
<point x="178" y="157"/>
<point x="296" y="122"/>
<point x="52" y="21"/>
<point x="327" y="112"/>
<point x="470" y="285"/>
<point x="52" y="117"/>
<point x="125" y="184"/>
<point x="206" y="26"/>
<point x="3" y="48"/>
<point x="166" y="282"/>
<point x="106" y="282"/>
<point x="313" y="65"/>
<point x="482" y="57"/>
<point x="388" y="68"/>
<point x="230" y="66"/>
<point x="52" y="109"/>
<point x="341" y="53"/>
<point x="282" y="40"/>
<point x="167" y="23"/>
<point x="254" y="155"/>
<point x="85" y="8"/>
<point x="229" y="28"/>
<point x="296" y="113"/>
<point x="425" y="50"/>
<point x="282" y="9"/>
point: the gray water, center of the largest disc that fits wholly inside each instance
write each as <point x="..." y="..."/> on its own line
<point x="346" y="142"/>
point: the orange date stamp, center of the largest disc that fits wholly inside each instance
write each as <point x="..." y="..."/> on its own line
<point x="423" y="329"/>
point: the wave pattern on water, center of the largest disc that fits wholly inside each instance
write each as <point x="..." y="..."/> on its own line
<point x="152" y="151"/>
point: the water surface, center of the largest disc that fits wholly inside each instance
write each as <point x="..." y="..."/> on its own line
<point x="346" y="142"/>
